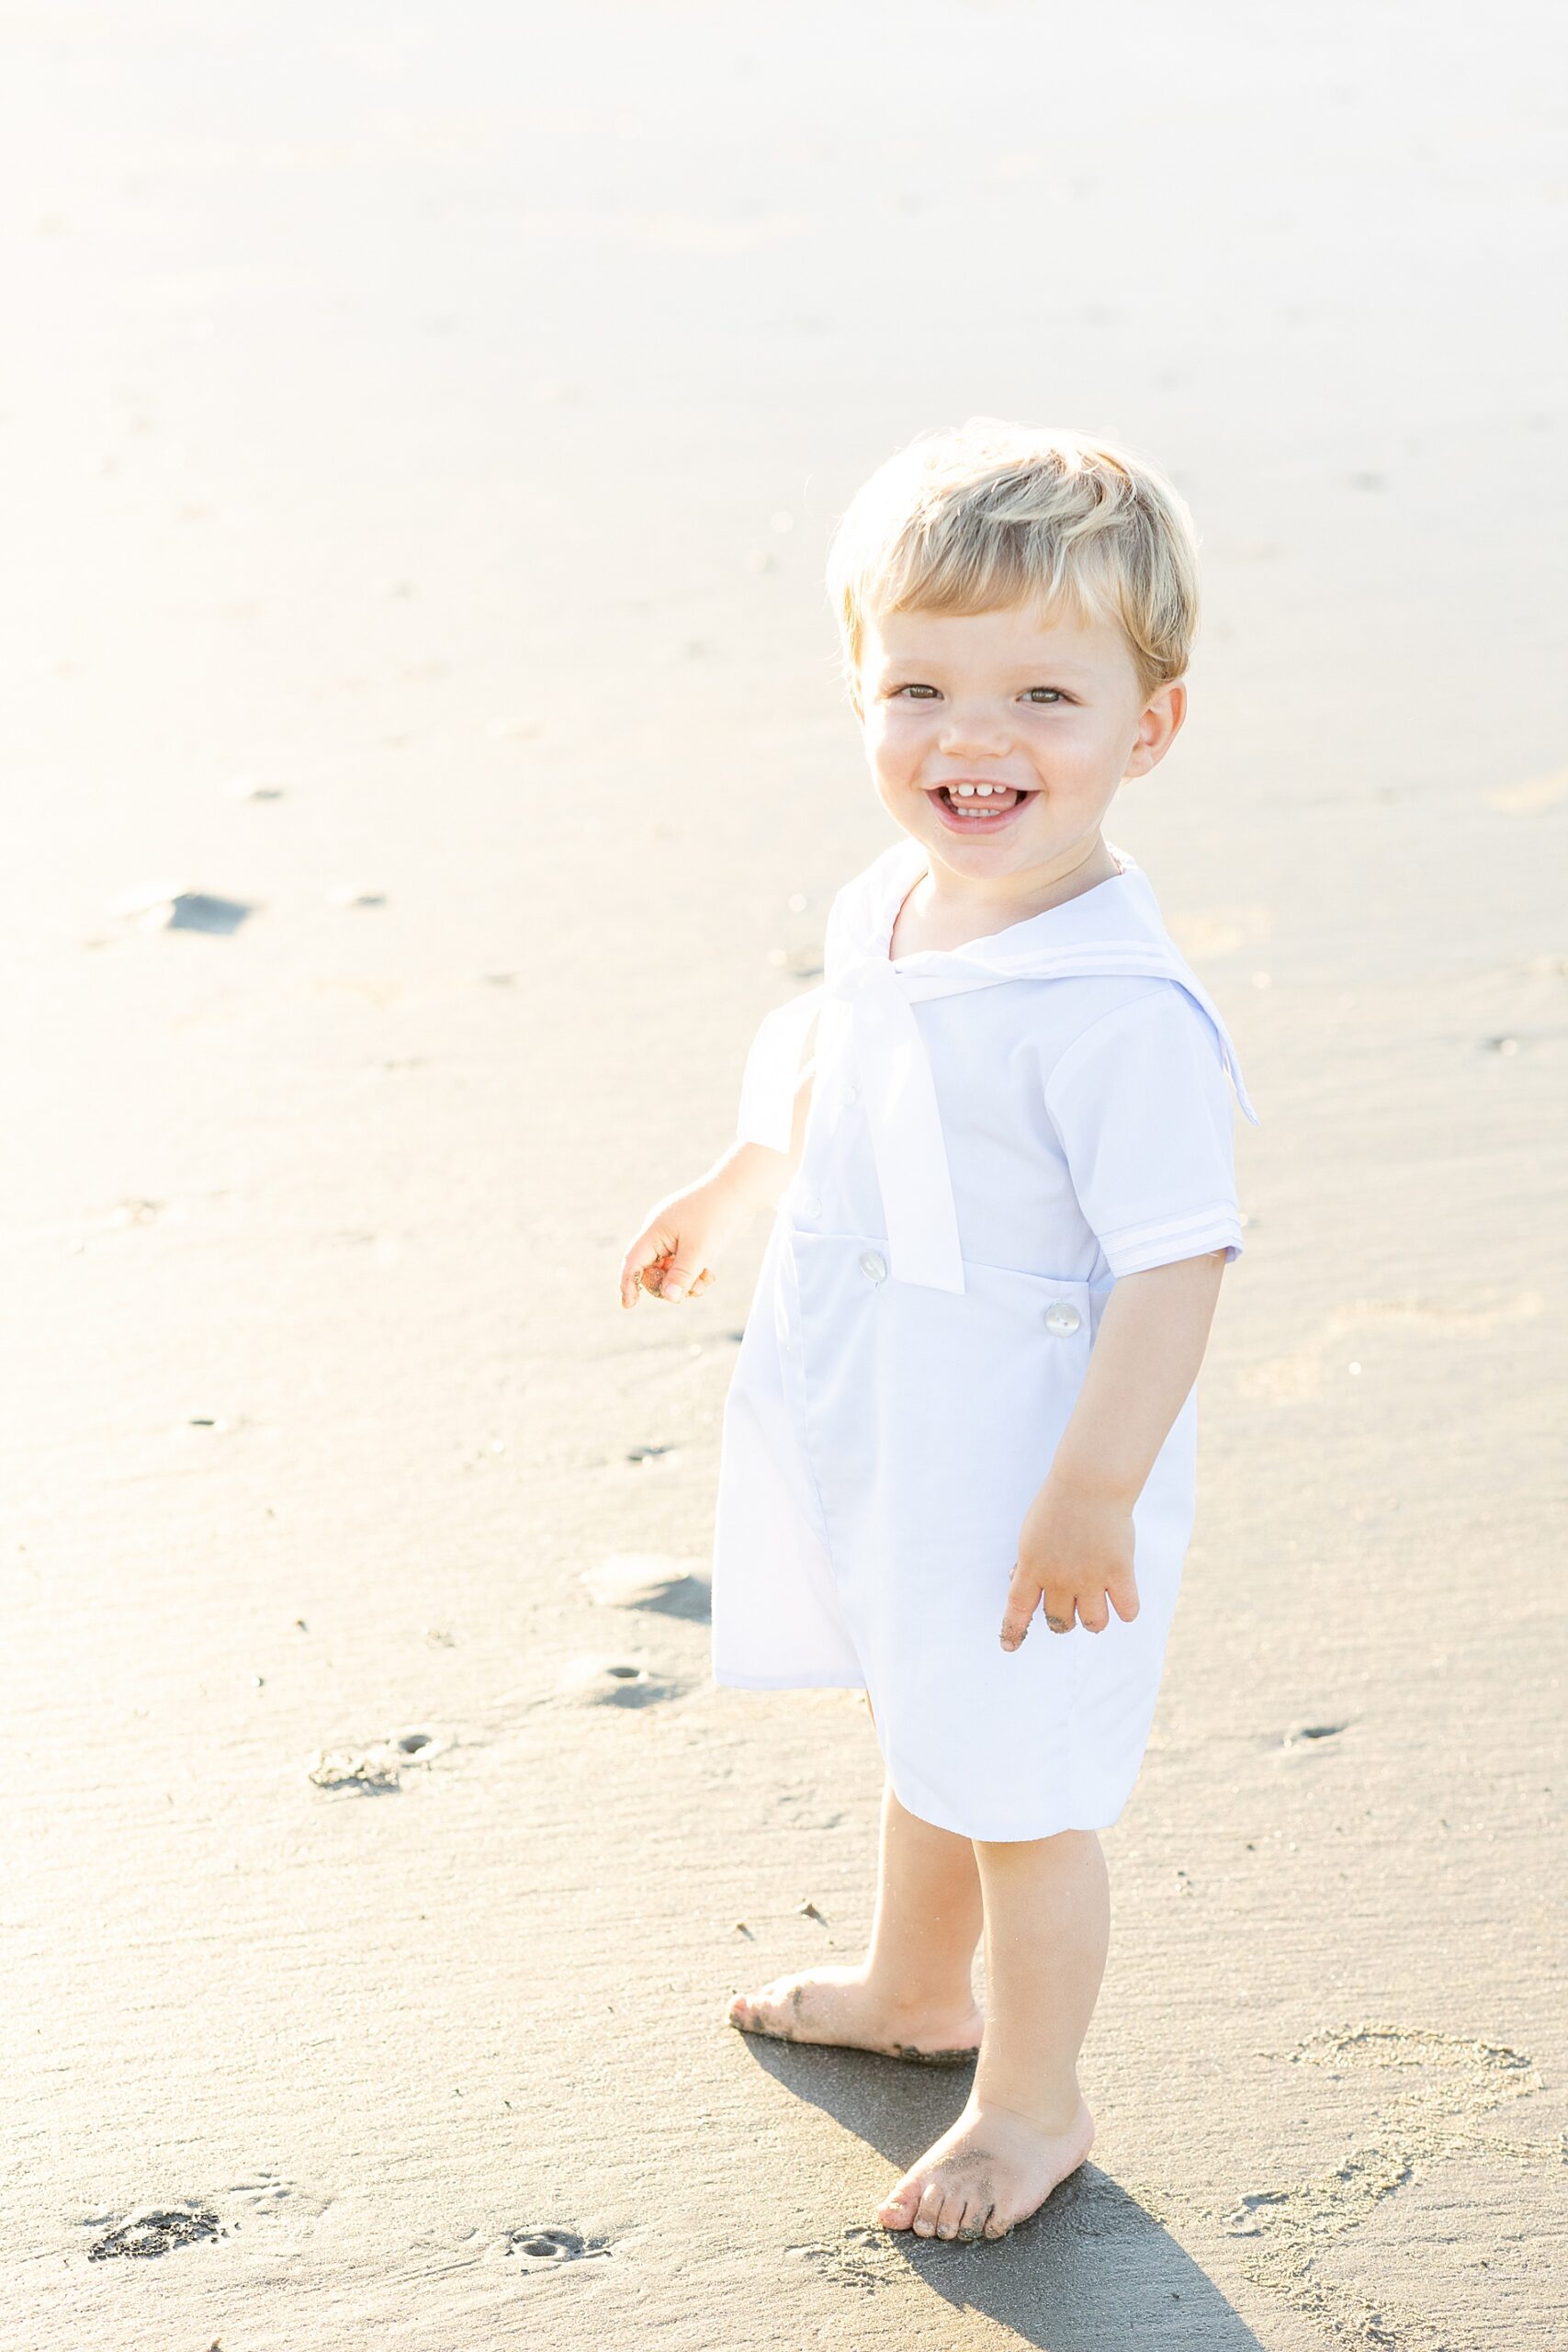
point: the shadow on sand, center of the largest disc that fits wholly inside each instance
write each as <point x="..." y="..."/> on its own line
<point x="1091" y="2270"/>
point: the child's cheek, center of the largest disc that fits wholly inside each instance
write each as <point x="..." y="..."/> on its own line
<point x="897" y="743"/>
<point x="881" y="746"/>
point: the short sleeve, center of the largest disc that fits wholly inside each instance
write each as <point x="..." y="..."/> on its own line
<point x="1142" y="1105"/>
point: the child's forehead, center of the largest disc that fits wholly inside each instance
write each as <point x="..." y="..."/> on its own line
<point x="1004" y="636"/>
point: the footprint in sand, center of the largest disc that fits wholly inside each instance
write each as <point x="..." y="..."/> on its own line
<point x="1308" y="1736"/>
<point x="170" y="906"/>
<point x="612" y="1683"/>
<point x="377" y="1770"/>
<point x="551" y="2249"/>
<point x="860" y="2258"/>
<point x="155" y="2229"/>
<point x="650" y="1580"/>
<point x="1443" y="2088"/>
<point x="270" y="2197"/>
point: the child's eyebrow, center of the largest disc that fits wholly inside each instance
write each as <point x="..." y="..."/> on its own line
<point x="1064" y="666"/>
<point x="1047" y="669"/>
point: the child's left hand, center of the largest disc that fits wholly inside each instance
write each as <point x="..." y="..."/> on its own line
<point x="1075" y="1553"/>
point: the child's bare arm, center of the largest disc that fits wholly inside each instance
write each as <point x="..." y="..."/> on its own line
<point x="1076" y="1548"/>
<point x="672" y="1256"/>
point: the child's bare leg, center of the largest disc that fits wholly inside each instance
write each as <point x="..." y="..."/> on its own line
<point x="913" y="1996"/>
<point x="1026" y="2127"/>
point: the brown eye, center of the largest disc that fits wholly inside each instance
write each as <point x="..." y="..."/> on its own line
<point x="1045" y="695"/>
<point x="918" y="693"/>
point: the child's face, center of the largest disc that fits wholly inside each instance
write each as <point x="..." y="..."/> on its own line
<point x="1049" y="715"/>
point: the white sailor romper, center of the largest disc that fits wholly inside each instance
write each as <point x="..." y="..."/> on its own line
<point x="996" y="1134"/>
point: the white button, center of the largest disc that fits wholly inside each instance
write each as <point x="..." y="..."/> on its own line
<point x="1062" y="1317"/>
<point x="852" y="1094"/>
<point x="873" y="1266"/>
<point x="810" y="1205"/>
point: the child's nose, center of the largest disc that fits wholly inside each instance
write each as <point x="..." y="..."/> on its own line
<point x="975" y="733"/>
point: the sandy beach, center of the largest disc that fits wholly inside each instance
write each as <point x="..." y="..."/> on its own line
<point x="420" y="436"/>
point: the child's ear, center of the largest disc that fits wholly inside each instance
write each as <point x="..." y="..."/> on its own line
<point x="1158" y="728"/>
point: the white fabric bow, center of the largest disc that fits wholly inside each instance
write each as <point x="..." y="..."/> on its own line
<point x="894" y="1076"/>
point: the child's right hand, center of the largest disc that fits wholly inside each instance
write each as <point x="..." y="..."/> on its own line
<point x="672" y="1256"/>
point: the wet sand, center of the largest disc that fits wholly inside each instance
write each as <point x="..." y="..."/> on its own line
<point x="419" y="445"/>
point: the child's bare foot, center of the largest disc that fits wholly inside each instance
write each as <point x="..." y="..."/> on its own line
<point x="838" y="2006"/>
<point x="991" y="2171"/>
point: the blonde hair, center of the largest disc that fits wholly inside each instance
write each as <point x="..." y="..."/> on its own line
<point x="987" y="515"/>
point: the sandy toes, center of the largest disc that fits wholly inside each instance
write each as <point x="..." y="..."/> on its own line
<point x="988" y="2174"/>
<point x="835" y="2005"/>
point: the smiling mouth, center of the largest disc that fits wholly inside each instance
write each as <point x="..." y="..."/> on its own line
<point x="979" y="811"/>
